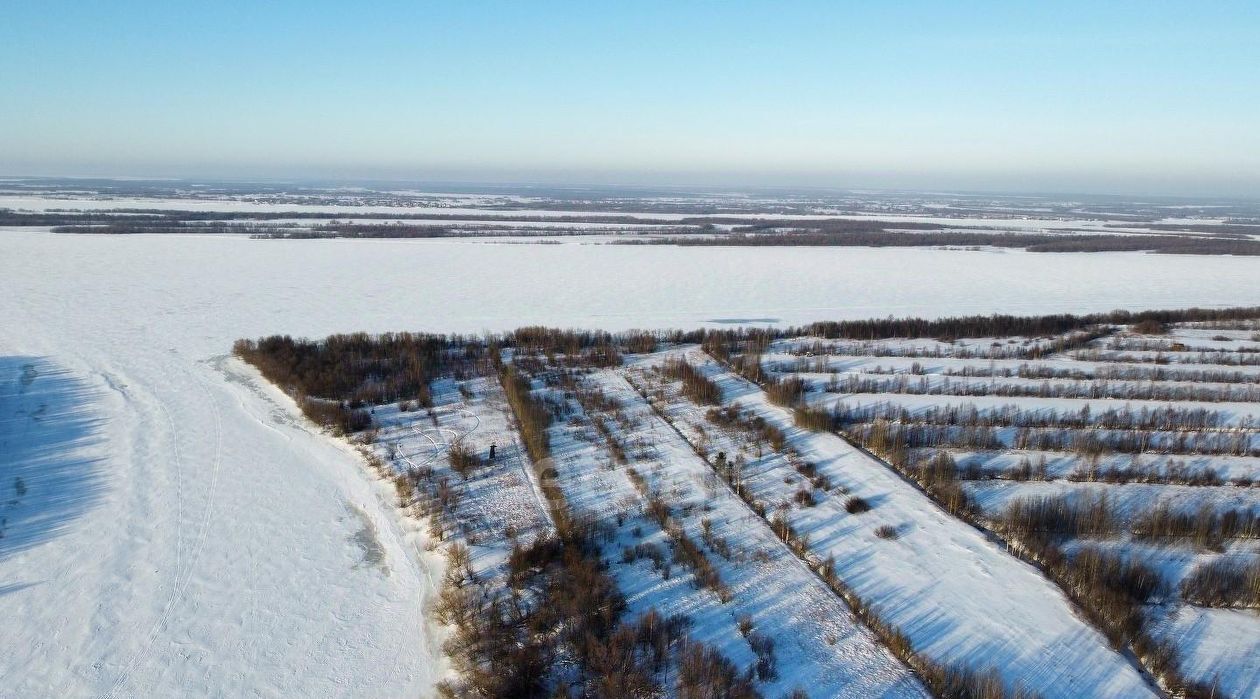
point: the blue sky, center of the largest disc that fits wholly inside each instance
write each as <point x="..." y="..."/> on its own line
<point x="1126" y="97"/>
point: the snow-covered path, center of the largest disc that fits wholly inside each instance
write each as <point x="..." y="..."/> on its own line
<point x="224" y="555"/>
<point x="176" y="530"/>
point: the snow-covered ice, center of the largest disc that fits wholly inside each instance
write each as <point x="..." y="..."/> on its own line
<point x="188" y="536"/>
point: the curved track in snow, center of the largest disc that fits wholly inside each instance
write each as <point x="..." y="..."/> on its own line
<point x="197" y="537"/>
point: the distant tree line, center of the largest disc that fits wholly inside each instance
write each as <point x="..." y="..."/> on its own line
<point x="177" y="227"/>
<point x="996" y="325"/>
<point x="1032" y="242"/>
<point x="995" y="350"/>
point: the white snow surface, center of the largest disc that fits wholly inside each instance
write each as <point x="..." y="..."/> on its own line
<point x="819" y="644"/>
<point x="1220" y="645"/>
<point x="182" y="534"/>
<point x="959" y="597"/>
<point x="316" y="286"/>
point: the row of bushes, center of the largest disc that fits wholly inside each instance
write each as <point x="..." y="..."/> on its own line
<point x="1210" y="358"/>
<point x="1171" y="472"/>
<point x="698" y="388"/>
<point x="1224" y="582"/>
<point x="1092" y="442"/>
<point x="1141" y="344"/>
<point x="1086" y="443"/>
<point x="788" y="392"/>
<point x="1056" y="517"/>
<point x="532" y="415"/>
<point x="818" y="352"/>
<point x="1032" y="242"/>
<point x="686" y="552"/>
<point x="1111" y="591"/>
<point x="1106" y="372"/>
<point x="1206" y="527"/>
<point x="997" y="325"/>
<point x="1166" y="418"/>
<point x="941" y="680"/>
<point x="1114" y="594"/>
<point x="762" y="431"/>
<point x="1081" y="389"/>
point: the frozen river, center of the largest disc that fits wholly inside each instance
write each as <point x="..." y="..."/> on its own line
<point x="176" y="532"/>
<point x="205" y="291"/>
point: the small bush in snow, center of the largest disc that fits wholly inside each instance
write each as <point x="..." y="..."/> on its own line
<point x="856" y="505"/>
<point x="886" y="531"/>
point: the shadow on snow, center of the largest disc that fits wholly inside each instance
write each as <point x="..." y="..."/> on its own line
<point x="49" y="472"/>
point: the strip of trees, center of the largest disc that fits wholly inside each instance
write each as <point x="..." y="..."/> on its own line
<point x="1224" y="582"/>
<point x="1085" y="443"/>
<point x="1164" y="358"/>
<point x="1099" y="373"/>
<point x="1032" y="242"/>
<point x="819" y="350"/>
<point x="1167" y="418"/>
<point x="925" y="386"/>
<point x="695" y="385"/>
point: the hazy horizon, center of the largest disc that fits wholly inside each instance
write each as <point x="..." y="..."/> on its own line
<point x="1128" y="99"/>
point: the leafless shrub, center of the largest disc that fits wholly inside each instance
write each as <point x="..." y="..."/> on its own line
<point x="814" y="419"/>
<point x="698" y="388"/>
<point x="732" y="417"/>
<point x="532" y="415"/>
<point x="788" y="392"/>
<point x="1225" y="582"/>
<point x="704" y="673"/>
<point x="856" y="505"/>
<point x="763" y="647"/>
<point x="1027" y="470"/>
<point x="336" y="415"/>
<point x="1057" y="517"/>
<point x="463" y="460"/>
<point x="1204" y="527"/>
<point x="749" y="366"/>
<point x="651" y="552"/>
<point x="1150" y="327"/>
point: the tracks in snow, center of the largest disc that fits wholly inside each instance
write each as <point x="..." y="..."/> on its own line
<point x="182" y="577"/>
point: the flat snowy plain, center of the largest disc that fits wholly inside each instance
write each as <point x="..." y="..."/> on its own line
<point x="179" y="532"/>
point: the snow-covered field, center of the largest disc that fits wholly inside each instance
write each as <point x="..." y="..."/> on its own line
<point x="818" y="643"/>
<point x="179" y="532"/>
<point x="959" y="597"/>
<point x="1217" y="645"/>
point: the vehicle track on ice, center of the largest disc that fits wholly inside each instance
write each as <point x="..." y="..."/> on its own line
<point x="439" y="448"/>
<point x="183" y="578"/>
